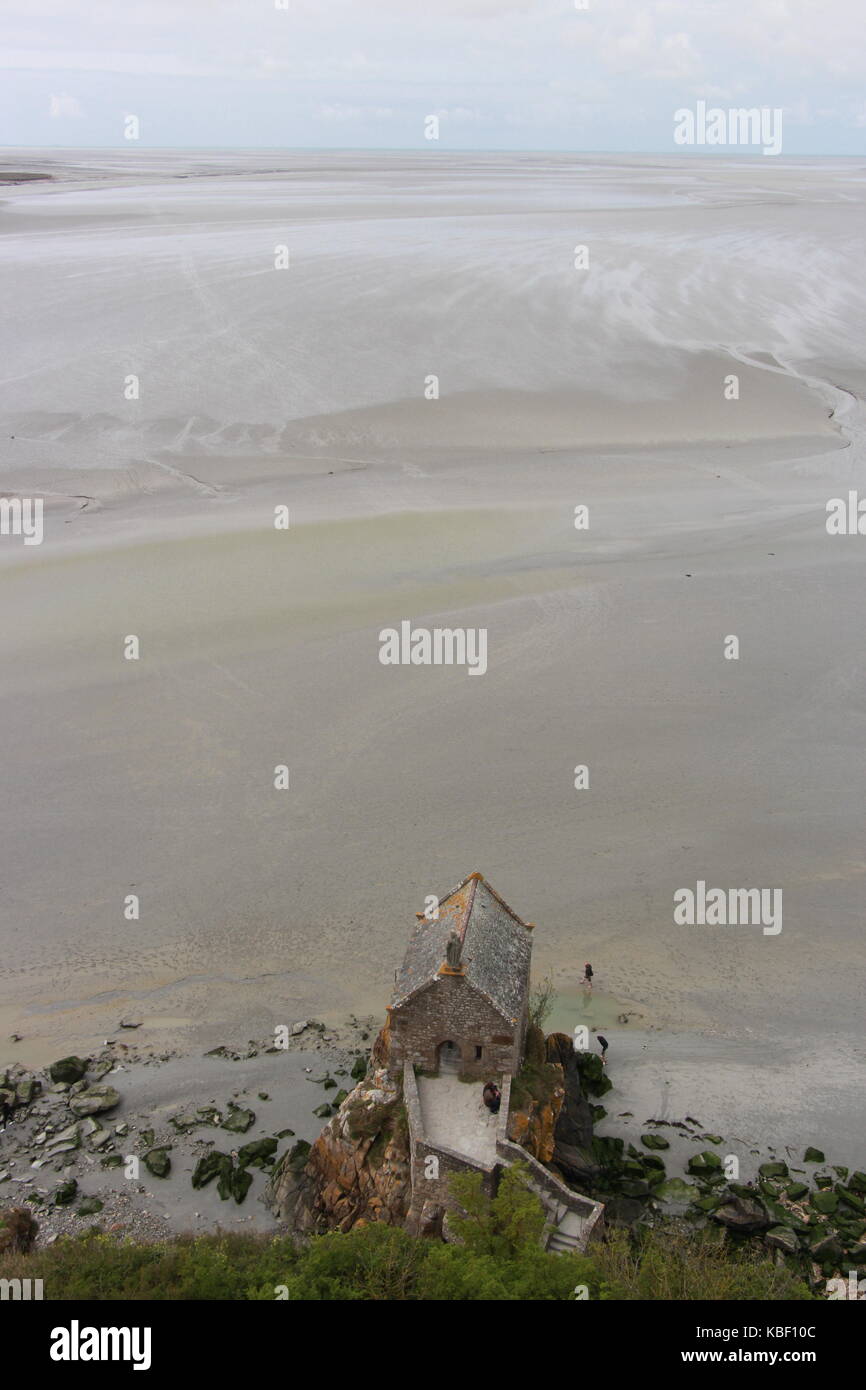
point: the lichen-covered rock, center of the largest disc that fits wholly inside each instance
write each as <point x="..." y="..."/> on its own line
<point x="357" y="1170"/>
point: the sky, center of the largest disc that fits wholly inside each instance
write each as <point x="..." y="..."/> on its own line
<point x="497" y="74"/>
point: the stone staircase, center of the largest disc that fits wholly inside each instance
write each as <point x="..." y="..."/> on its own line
<point x="565" y="1231"/>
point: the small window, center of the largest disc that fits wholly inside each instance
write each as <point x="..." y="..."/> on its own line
<point x="478" y="1053"/>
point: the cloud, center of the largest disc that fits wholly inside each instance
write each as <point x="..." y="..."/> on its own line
<point x="63" y="107"/>
<point x="339" y="112"/>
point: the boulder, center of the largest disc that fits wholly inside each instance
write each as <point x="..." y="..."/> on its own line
<point x="27" y="1090"/>
<point x="742" y="1216"/>
<point x="65" y="1194"/>
<point x="212" y="1165"/>
<point x="784" y="1239"/>
<point x="89" y="1207"/>
<point x="94" y="1100"/>
<point x="240" y="1184"/>
<point x="774" y="1170"/>
<point x="813" y="1156"/>
<point x="828" y="1249"/>
<point x="825" y="1202"/>
<point x="706" y="1164"/>
<point x="68" y="1069"/>
<point x="593" y="1077"/>
<point x="574" y="1123"/>
<point x="797" y="1191"/>
<point x="259" y="1154"/>
<point x="157" y="1162"/>
<point x="654" y="1141"/>
<point x="238" y="1120"/>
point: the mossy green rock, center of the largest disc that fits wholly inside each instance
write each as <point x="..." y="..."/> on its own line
<point x="157" y="1162"/>
<point x="212" y="1165"/>
<point x="27" y="1090"/>
<point x="259" y="1154"/>
<point x="635" y="1187"/>
<point x="704" y="1164"/>
<point x="323" y="1112"/>
<point x="89" y="1207"/>
<point x="239" y="1120"/>
<point x="823" y="1181"/>
<point x="240" y="1184"/>
<point x="339" y="1098"/>
<point x="652" y="1162"/>
<point x="359" y="1069"/>
<point x="797" y="1190"/>
<point x="774" y="1170"/>
<point x="850" y="1199"/>
<point x="654" y="1141"/>
<point x="593" y="1078"/>
<point x="68" y="1069"/>
<point x="709" y="1203"/>
<point x="825" y="1202"/>
<point x="857" y="1182"/>
<point x="66" y="1193"/>
<point x="740" y="1189"/>
<point x="813" y="1156"/>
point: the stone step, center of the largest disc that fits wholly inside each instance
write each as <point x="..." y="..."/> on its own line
<point x="560" y="1244"/>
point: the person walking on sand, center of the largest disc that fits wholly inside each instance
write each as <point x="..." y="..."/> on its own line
<point x="587" y="976"/>
<point x="603" y="1044"/>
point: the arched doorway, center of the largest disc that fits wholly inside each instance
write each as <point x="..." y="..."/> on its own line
<point x="448" y="1055"/>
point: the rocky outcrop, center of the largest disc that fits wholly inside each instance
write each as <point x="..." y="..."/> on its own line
<point x="358" y="1169"/>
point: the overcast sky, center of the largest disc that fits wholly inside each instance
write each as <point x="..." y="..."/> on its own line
<point x="500" y="74"/>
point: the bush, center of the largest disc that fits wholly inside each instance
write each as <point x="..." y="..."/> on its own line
<point x="675" y="1264"/>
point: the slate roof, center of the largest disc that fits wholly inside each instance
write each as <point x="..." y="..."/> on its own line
<point x="497" y="948"/>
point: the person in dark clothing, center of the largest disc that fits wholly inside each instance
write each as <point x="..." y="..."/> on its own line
<point x="588" y="972"/>
<point x="603" y="1044"/>
<point x="492" y="1097"/>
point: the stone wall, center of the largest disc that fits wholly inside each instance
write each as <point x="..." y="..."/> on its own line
<point x="435" y="1189"/>
<point x="450" y="1010"/>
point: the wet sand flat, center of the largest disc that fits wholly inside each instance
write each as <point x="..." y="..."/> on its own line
<point x="259" y="647"/>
